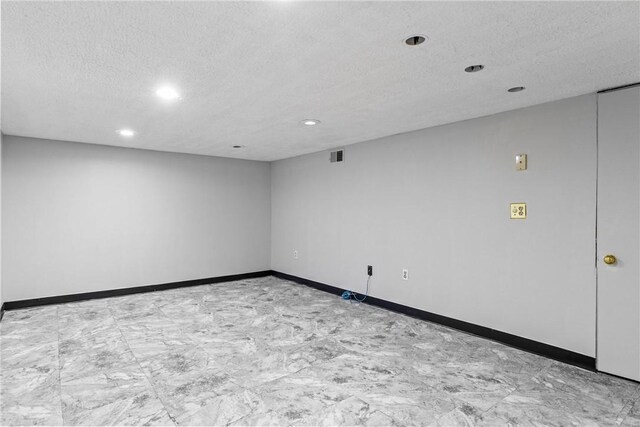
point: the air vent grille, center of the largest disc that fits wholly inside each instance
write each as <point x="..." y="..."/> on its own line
<point x="337" y="156"/>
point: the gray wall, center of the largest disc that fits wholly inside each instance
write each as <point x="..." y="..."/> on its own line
<point x="436" y="202"/>
<point x="80" y="217"/>
<point x="1" y="296"/>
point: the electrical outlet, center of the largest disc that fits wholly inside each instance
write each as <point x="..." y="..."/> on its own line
<point x="295" y="254"/>
<point x="521" y="162"/>
<point x="370" y="270"/>
<point x="518" y="211"/>
<point x="405" y="274"/>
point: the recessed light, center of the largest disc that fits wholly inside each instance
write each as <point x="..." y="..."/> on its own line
<point x="238" y="146"/>
<point x="126" y="133"/>
<point x="310" y="122"/>
<point x="516" y="89"/>
<point x="167" y="93"/>
<point x="415" y="40"/>
<point x="474" y="68"/>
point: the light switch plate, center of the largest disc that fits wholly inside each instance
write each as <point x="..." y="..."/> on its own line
<point x="521" y="162"/>
<point x="518" y="211"/>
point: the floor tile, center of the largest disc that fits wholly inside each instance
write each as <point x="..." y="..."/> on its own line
<point x="269" y="352"/>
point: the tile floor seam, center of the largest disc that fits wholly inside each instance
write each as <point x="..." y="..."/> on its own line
<point x="399" y="424"/>
<point x="247" y="415"/>
<point x="626" y="409"/>
<point x="140" y="366"/>
<point x="451" y="399"/>
<point x="239" y="419"/>
<point x="198" y="344"/>
<point x="501" y="400"/>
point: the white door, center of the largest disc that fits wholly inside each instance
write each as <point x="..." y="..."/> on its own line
<point x="618" y="340"/>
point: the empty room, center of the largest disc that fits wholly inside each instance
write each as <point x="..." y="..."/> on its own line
<point x="314" y="213"/>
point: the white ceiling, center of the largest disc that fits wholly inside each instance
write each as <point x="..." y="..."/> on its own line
<point x="249" y="72"/>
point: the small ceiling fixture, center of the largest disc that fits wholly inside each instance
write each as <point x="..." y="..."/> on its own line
<point x="238" y="146"/>
<point x="516" y="89"/>
<point x="128" y="133"/>
<point x="310" y="122"/>
<point x="474" y="68"/>
<point x="167" y="93"/>
<point x="415" y="40"/>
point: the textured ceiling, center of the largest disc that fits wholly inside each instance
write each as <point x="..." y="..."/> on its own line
<point x="249" y="72"/>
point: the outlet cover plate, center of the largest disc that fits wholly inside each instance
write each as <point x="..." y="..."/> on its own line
<point x="518" y="211"/>
<point x="521" y="162"/>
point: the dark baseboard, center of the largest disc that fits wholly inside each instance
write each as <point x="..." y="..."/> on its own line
<point x="613" y="89"/>
<point x="14" y="305"/>
<point x="518" y="342"/>
<point x="521" y="343"/>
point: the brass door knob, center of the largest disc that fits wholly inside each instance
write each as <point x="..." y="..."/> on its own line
<point x="609" y="259"/>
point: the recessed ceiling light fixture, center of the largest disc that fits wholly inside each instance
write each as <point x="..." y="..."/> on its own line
<point x="516" y="89"/>
<point x="474" y="68"/>
<point x="310" y="122"/>
<point x="128" y="133"/>
<point x="168" y="93"/>
<point x="415" y="40"/>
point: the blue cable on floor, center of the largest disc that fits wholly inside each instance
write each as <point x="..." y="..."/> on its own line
<point x="350" y="294"/>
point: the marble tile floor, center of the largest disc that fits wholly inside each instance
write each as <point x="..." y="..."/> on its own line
<point x="269" y="352"/>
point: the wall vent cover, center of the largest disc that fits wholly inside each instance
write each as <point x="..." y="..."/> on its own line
<point x="337" y="156"/>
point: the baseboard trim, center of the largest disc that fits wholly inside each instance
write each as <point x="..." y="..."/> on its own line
<point x="613" y="89"/>
<point x="14" y="305"/>
<point x="521" y="343"/>
<point x="536" y="347"/>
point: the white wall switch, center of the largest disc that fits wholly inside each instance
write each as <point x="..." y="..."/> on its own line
<point x="405" y="274"/>
<point x="521" y="162"/>
<point x="295" y="254"/>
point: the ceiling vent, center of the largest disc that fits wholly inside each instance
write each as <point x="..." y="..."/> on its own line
<point x="337" y="156"/>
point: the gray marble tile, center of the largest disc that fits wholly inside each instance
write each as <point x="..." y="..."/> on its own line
<point x="79" y="358"/>
<point x="224" y="410"/>
<point x="131" y="406"/>
<point x="34" y="319"/>
<point x="186" y="379"/>
<point x="303" y="389"/>
<point x="40" y="385"/>
<point x="630" y="416"/>
<point x="349" y="412"/>
<point x="269" y="418"/>
<point x="121" y="396"/>
<point x="268" y="352"/>
<point x="278" y="361"/>
<point x="30" y="397"/>
<point x="30" y="381"/>
<point x="28" y="352"/>
<point x="150" y="339"/>
<point x="32" y="413"/>
<point x="86" y="320"/>
<point x="133" y="308"/>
